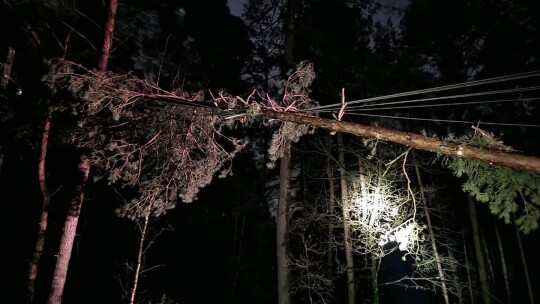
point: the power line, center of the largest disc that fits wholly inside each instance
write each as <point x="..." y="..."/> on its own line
<point x="517" y="90"/>
<point x="447" y="120"/>
<point x="438" y="89"/>
<point x="448" y="104"/>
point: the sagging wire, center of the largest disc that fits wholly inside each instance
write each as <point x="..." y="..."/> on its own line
<point x="447" y="120"/>
<point x="384" y="107"/>
<point x="363" y="107"/>
<point x="499" y="79"/>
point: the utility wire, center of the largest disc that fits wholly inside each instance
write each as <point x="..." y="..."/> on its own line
<point x="448" y="104"/>
<point x="526" y="89"/>
<point x="448" y="120"/>
<point x="438" y="89"/>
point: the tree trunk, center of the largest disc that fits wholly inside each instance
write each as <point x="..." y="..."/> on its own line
<point x="72" y="218"/>
<point x="432" y="237"/>
<point x="454" y="149"/>
<point x="282" y="227"/>
<point x="487" y="254"/>
<point x="346" y="228"/>
<point x="46" y="198"/>
<point x="331" y="203"/>
<point x="482" y="274"/>
<point x="1" y="159"/>
<point x="503" y="263"/>
<point x="103" y="62"/>
<point x="237" y="252"/>
<point x="374" y="278"/>
<point x="140" y="253"/>
<point x="457" y="279"/>
<point x="284" y="296"/>
<point x="467" y="263"/>
<point x="524" y="262"/>
<point x="289" y="34"/>
<point x="68" y="233"/>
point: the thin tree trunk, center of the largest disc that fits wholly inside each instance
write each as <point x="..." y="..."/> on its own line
<point x="525" y="267"/>
<point x="331" y="203"/>
<point x="138" y="267"/>
<point x="467" y="263"/>
<point x="454" y="149"/>
<point x="374" y="278"/>
<point x="491" y="274"/>
<point x="103" y="62"/>
<point x="432" y="237"/>
<point x="482" y="274"/>
<point x="346" y="229"/>
<point x="46" y="198"/>
<point x="455" y="274"/>
<point x="68" y="233"/>
<point x="238" y="253"/>
<point x="282" y="227"/>
<point x="1" y="159"/>
<point x="503" y="263"/>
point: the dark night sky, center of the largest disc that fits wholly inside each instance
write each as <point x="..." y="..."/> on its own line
<point x="236" y="6"/>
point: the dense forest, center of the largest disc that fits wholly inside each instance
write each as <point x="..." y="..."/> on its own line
<point x="296" y="151"/>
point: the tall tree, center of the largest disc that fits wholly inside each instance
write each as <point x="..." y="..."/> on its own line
<point x="481" y="266"/>
<point x="140" y="252"/>
<point x="46" y="198"/>
<point x="503" y="262"/>
<point x="432" y="236"/>
<point x="345" y="202"/>
<point x="331" y="203"/>
<point x="69" y="233"/>
<point x="72" y="217"/>
<point x="285" y="177"/>
<point x="525" y="267"/>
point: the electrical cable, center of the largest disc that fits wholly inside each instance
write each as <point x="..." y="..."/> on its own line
<point x="448" y="120"/>
<point x="449" y="104"/>
<point x="517" y="90"/>
<point x="437" y="89"/>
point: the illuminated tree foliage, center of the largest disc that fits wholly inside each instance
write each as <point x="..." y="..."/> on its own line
<point x="164" y="144"/>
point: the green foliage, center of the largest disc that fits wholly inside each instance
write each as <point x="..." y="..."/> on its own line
<point x="502" y="189"/>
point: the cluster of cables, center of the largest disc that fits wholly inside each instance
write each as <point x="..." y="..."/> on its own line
<point x="403" y="101"/>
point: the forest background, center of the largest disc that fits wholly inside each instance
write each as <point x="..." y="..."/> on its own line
<point x="213" y="240"/>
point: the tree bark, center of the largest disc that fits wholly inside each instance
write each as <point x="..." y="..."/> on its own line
<point x="432" y="237"/>
<point x="140" y="253"/>
<point x="454" y="149"/>
<point x="525" y="267"/>
<point x="503" y="263"/>
<point x="72" y="218"/>
<point x="103" y="62"/>
<point x="46" y="198"/>
<point x="469" y="278"/>
<point x="482" y="274"/>
<point x="282" y="227"/>
<point x="284" y="296"/>
<point x="374" y="278"/>
<point x="487" y="254"/>
<point x="1" y="159"/>
<point x="346" y="229"/>
<point x="331" y="203"/>
<point x="68" y="233"/>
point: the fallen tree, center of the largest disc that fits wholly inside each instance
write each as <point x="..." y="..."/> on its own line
<point x="450" y="148"/>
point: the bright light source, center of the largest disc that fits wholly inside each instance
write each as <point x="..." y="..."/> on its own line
<point x="381" y="213"/>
